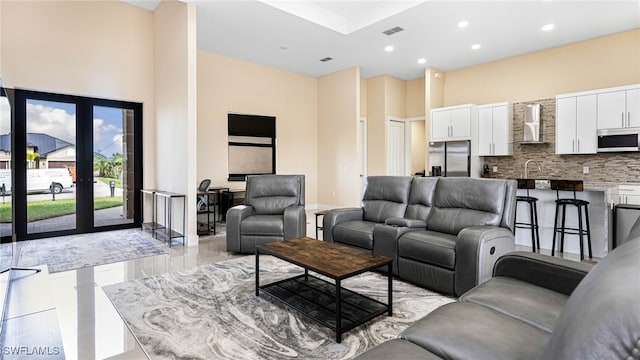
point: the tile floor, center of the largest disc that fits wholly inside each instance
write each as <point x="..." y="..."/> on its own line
<point x="90" y="326"/>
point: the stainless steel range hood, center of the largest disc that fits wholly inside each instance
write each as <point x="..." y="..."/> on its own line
<point x="532" y="125"/>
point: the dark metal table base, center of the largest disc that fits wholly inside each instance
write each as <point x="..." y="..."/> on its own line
<point x="318" y="299"/>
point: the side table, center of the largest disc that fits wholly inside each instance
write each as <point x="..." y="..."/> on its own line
<point x="318" y="214"/>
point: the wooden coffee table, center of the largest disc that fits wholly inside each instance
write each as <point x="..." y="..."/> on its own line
<point x="327" y="303"/>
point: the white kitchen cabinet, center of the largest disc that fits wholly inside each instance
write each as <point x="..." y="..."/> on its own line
<point x="576" y="124"/>
<point x="452" y="123"/>
<point x="619" y="108"/>
<point x="629" y="194"/>
<point x="495" y="135"/>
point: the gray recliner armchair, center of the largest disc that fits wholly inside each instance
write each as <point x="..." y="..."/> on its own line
<point x="273" y="211"/>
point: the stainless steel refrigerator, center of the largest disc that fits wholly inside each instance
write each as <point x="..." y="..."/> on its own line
<point x="452" y="157"/>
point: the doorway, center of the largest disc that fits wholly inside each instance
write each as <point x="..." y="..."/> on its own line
<point x="417" y="146"/>
<point x="78" y="164"/>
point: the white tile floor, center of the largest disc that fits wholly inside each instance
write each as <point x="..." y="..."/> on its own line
<point x="90" y="326"/>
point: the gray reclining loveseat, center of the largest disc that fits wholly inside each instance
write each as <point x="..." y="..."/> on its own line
<point x="535" y="307"/>
<point x="442" y="233"/>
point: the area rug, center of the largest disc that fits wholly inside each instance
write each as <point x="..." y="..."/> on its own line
<point x="211" y="312"/>
<point x="72" y="252"/>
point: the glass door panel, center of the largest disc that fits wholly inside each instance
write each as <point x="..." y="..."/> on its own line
<point x="50" y="165"/>
<point x="5" y="168"/>
<point x="113" y="185"/>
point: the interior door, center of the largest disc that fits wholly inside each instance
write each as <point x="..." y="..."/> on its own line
<point x="396" y="148"/>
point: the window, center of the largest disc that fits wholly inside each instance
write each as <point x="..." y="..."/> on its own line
<point x="252" y="145"/>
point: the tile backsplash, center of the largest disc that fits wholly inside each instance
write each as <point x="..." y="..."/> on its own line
<point x="603" y="167"/>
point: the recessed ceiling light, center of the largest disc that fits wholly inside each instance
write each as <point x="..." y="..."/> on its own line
<point x="422" y="61"/>
<point x="388" y="48"/>
<point x="463" y="24"/>
<point x="476" y="46"/>
<point x="548" y="27"/>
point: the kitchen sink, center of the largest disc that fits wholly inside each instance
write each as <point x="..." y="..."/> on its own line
<point x="543" y="184"/>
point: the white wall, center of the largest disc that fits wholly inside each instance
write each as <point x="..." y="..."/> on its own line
<point x="176" y="122"/>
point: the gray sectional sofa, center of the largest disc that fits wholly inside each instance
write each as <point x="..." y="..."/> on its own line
<point x="442" y="233"/>
<point x="535" y="307"/>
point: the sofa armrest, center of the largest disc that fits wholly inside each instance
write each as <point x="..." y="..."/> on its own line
<point x="402" y="222"/>
<point x="477" y="250"/>
<point x="553" y="273"/>
<point x="336" y="216"/>
<point x="233" y="220"/>
<point x="295" y="222"/>
<point x="386" y="241"/>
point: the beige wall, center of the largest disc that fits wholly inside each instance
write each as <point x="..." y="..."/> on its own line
<point x="175" y="92"/>
<point x="229" y="85"/>
<point x="418" y="146"/>
<point x="376" y="127"/>
<point x="101" y="49"/>
<point x="363" y="98"/>
<point x="386" y="98"/>
<point x="415" y="97"/>
<point x="607" y="61"/>
<point x="338" y="144"/>
<point x="434" y="98"/>
<point x="395" y="97"/>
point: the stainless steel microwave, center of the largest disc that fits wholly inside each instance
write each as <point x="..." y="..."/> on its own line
<point x="618" y="140"/>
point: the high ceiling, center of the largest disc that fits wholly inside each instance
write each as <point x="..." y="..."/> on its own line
<point x="296" y="35"/>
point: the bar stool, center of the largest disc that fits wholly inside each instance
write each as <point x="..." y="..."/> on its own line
<point x="533" y="212"/>
<point x="574" y="186"/>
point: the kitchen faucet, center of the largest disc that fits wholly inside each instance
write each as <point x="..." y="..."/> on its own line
<point x="526" y="167"/>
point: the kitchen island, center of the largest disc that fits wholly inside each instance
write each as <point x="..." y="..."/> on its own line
<point x="601" y="196"/>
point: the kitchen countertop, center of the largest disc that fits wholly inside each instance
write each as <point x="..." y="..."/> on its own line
<point x="610" y="189"/>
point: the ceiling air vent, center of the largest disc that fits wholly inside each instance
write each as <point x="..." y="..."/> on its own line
<point x="326" y="59"/>
<point x="393" y="30"/>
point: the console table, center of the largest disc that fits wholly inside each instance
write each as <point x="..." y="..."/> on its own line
<point x="150" y="225"/>
<point x="166" y="230"/>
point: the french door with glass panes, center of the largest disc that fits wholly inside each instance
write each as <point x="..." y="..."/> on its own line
<point x="78" y="164"/>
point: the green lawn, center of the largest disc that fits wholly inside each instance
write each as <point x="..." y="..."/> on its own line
<point x="106" y="181"/>
<point x="38" y="210"/>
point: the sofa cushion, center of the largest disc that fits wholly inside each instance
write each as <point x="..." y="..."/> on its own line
<point x="465" y="330"/>
<point x="385" y="197"/>
<point x="433" y="277"/>
<point x="421" y="198"/>
<point x="262" y="225"/>
<point x="356" y="233"/>
<point x="464" y="202"/>
<point x="271" y="194"/>
<point x="396" y="349"/>
<point x="428" y="247"/>
<point x="532" y="304"/>
<point x="601" y="319"/>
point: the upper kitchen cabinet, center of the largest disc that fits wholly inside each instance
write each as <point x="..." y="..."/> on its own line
<point x="576" y="124"/>
<point x="619" y="107"/>
<point x="453" y="123"/>
<point x="495" y="135"/>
